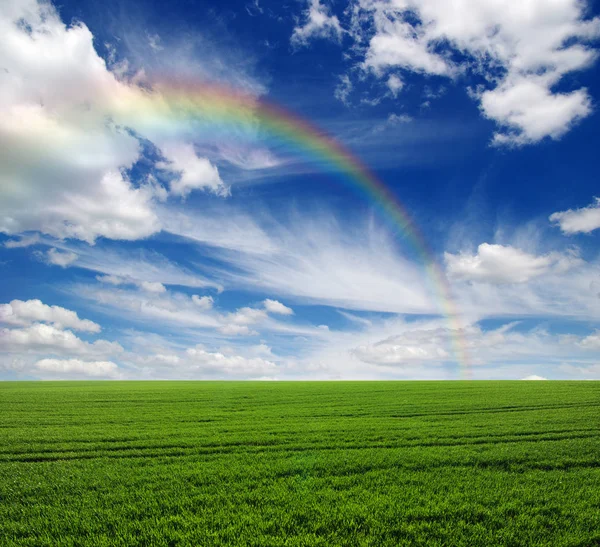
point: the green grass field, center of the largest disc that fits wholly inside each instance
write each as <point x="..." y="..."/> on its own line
<point x="369" y="463"/>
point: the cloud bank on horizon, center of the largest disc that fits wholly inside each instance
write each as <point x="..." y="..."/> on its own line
<point x="141" y="241"/>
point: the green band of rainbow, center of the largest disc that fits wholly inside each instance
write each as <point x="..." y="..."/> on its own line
<point x="220" y="105"/>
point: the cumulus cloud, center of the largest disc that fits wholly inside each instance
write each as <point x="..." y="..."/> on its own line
<point x="229" y="365"/>
<point x="203" y="302"/>
<point x="192" y="171"/>
<point x="154" y="287"/>
<point x="584" y="220"/>
<point x="531" y="110"/>
<point x="238" y="322"/>
<point x="397" y="351"/>
<point x="497" y="264"/>
<point x="198" y="362"/>
<point x="522" y="50"/>
<point x="22" y="313"/>
<point x="397" y="43"/>
<point x="395" y="84"/>
<point x="58" y="258"/>
<point x="69" y="135"/>
<point x="273" y="306"/>
<point x="61" y="159"/>
<point x="41" y="338"/>
<point x="247" y="316"/>
<point x="318" y="23"/>
<point x="36" y="330"/>
<point x="74" y="368"/>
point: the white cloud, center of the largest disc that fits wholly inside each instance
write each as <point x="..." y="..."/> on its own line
<point x="231" y="229"/>
<point x="249" y="158"/>
<point x="312" y="259"/>
<point x="149" y="307"/>
<point x="48" y="339"/>
<point x="531" y="111"/>
<point x="534" y="377"/>
<point x="395" y="84"/>
<point x="273" y="306"/>
<point x="584" y="220"/>
<point x="147" y="286"/>
<point x="135" y="267"/>
<point x="61" y="160"/>
<point x="198" y="362"/>
<point x="23" y="241"/>
<point x="523" y="50"/>
<point x="396" y="119"/>
<point x="111" y="279"/>
<point x="497" y="264"/>
<point x="343" y="89"/>
<point x="566" y="289"/>
<point x="59" y="258"/>
<point x="192" y="171"/>
<point x="203" y="302"/>
<point x="74" y="368"/>
<point x="398" y="353"/>
<point x="399" y="44"/>
<point x="237" y="330"/>
<point x="38" y="330"/>
<point x="68" y="132"/>
<point x="247" y="316"/>
<point x="229" y="365"/>
<point x="22" y="313"/>
<point x="318" y="23"/>
<point x="315" y="260"/>
<point x="392" y="121"/>
<point x="188" y="314"/>
<point x="154" y="287"/>
<point x="481" y="350"/>
<point x="591" y="342"/>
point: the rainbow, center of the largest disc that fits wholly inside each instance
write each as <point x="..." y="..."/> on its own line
<point x="218" y="105"/>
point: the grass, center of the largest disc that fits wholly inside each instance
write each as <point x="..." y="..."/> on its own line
<point x="349" y="463"/>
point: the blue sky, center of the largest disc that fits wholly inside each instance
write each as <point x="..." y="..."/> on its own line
<point x="135" y="247"/>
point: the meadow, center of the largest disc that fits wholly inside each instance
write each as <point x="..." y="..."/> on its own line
<point x="270" y="464"/>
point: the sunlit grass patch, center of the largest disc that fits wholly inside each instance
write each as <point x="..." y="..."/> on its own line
<point x="382" y="463"/>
